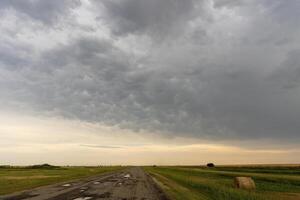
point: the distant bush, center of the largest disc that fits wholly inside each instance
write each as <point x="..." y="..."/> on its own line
<point x="210" y="165"/>
<point x="4" y="166"/>
<point x="43" y="166"/>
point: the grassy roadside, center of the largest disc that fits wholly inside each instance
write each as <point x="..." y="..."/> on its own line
<point x="18" y="179"/>
<point x="216" y="184"/>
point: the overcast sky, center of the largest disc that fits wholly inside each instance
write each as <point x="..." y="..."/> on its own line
<point x="191" y="81"/>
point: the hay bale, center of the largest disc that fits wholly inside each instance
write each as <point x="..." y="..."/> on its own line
<point x="246" y="183"/>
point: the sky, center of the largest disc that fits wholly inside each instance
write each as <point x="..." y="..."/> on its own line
<point x="139" y="82"/>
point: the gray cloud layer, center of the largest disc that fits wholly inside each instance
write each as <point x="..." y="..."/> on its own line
<point x="40" y="10"/>
<point x="154" y="17"/>
<point x="222" y="69"/>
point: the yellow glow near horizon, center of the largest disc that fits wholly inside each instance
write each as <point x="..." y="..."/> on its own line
<point x="30" y="140"/>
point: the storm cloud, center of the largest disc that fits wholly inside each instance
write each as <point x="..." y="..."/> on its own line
<point x="44" y="11"/>
<point x="151" y="17"/>
<point x="206" y="69"/>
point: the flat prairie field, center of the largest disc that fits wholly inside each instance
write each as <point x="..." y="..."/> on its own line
<point x="273" y="182"/>
<point x="13" y="179"/>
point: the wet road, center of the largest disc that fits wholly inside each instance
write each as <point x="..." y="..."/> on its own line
<point x="129" y="184"/>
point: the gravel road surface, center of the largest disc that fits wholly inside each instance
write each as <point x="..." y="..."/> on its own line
<point x="129" y="184"/>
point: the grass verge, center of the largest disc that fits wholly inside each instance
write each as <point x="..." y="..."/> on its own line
<point x="195" y="183"/>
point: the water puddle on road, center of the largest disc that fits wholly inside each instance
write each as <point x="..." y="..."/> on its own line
<point x="66" y="185"/>
<point x="83" y="198"/>
<point x="127" y="176"/>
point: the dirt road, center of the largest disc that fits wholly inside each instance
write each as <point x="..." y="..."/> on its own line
<point x="129" y="184"/>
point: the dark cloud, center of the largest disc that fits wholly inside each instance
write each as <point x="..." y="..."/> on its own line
<point x="101" y="146"/>
<point x="14" y="56"/>
<point x="42" y="10"/>
<point x="228" y="3"/>
<point x="156" y="17"/>
<point x="284" y="11"/>
<point x="236" y="76"/>
<point x="288" y="75"/>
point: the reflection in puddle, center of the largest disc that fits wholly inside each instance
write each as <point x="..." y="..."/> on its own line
<point x="127" y="176"/>
<point x="83" y="198"/>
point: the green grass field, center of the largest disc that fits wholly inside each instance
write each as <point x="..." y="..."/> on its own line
<point x="14" y="179"/>
<point x="201" y="183"/>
